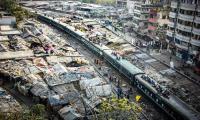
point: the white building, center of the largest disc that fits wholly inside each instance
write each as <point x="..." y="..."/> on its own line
<point x="130" y="6"/>
<point x="183" y="33"/>
<point x="141" y="14"/>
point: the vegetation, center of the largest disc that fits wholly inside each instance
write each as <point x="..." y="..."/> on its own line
<point x="119" y="109"/>
<point x="107" y="2"/>
<point x="12" y="7"/>
<point x="36" y="112"/>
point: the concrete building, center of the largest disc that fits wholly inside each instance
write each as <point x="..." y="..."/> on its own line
<point x="145" y="12"/>
<point x="131" y="5"/>
<point x="183" y="33"/>
<point x="140" y="15"/>
<point x="121" y="3"/>
<point x="158" y="19"/>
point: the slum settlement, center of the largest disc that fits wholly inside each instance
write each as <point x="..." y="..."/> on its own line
<point x="46" y="68"/>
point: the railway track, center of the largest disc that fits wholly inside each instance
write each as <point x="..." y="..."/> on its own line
<point x="91" y="48"/>
<point x="151" y="109"/>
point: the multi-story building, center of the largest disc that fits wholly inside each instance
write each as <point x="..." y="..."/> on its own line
<point x="141" y="14"/>
<point x="183" y="33"/>
<point x="130" y="6"/>
<point x="158" y="19"/>
<point x="147" y="15"/>
<point x="121" y="3"/>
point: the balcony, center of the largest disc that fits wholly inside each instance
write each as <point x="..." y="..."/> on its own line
<point x="182" y="46"/>
<point x="144" y="18"/>
<point x="186" y="17"/>
<point x="195" y="42"/>
<point x="197" y="20"/>
<point x="169" y="33"/>
<point x="186" y="6"/>
<point x="198" y="8"/>
<point x="196" y="31"/>
<point x="137" y="11"/>
<point x="174" y="4"/>
<point x="172" y="14"/>
<point x="152" y="20"/>
<point x="184" y="28"/>
<point x="182" y="38"/>
<point x="171" y="24"/>
<point x="136" y="17"/>
<point x="167" y="40"/>
<point x="151" y="28"/>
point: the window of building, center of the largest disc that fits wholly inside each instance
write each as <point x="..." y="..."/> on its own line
<point x="198" y="14"/>
<point x="184" y="43"/>
<point x="186" y="23"/>
<point x="164" y="17"/>
<point x="172" y="19"/>
<point x="196" y="48"/>
<point x="190" y="1"/>
<point x="184" y="33"/>
<point x="197" y="25"/>
<point x="187" y="12"/>
<point x="169" y="38"/>
<point x="196" y="37"/>
<point x="174" y="10"/>
<point x="177" y="41"/>
<point x="171" y="29"/>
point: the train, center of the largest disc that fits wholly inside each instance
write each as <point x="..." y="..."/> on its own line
<point x="164" y="99"/>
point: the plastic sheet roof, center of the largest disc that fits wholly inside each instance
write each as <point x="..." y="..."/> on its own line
<point x="60" y="89"/>
<point x="69" y="113"/>
<point x="41" y="90"/>
<point x="61" y="79"/>
<point x="101" y="91"/>
<point x="63" y="99"/>
<point x="91" y="82"/>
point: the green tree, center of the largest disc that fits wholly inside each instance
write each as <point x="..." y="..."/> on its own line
<point x="38" y="109"/>
<point x="117" y="109"/>
<point x="12" y="7"/>
<point x="107" y="2"/>
<point x="36" y="112"/>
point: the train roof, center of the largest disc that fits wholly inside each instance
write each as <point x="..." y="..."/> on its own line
<point x="182" y="107"/>
<point x="126" y="64"/>
<point x="149" y="86"/>
<point x="130" y="67"/>
<point x="174" y="102"/>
